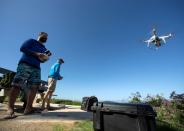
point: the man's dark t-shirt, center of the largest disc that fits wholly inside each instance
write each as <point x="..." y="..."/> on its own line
<point x="27" y="48"/>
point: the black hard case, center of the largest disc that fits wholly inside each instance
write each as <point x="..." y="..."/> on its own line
<point x="87" y="102"/>
<point x="109" y="116"/>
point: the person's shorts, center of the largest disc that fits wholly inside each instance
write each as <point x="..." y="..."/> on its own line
<point x="52" y="84"/>
<point x="26" y="74"/>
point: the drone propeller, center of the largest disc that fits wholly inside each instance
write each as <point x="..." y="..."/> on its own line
<point x="172" y="34"/>
<point x="154" y="31"/>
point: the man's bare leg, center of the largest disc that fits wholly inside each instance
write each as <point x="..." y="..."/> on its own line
<point x="15" y="90"/>
<point x="12" y="98"/>
<point x="30" y="99"/>
<point x="49" y="98"/>
<point x="45" y="99"/>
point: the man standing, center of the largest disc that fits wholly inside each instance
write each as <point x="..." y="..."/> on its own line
<point x="29" y="71"/>
<point x="52" y="79"/>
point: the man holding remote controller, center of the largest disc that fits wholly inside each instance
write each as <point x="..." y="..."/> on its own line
<point x="29" y="71"/>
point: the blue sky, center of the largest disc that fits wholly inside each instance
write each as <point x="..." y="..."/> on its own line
<point x="100" y="41"/>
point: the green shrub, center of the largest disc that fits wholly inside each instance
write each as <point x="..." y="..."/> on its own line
<point x="66" y="102"/>
<point x="171" y="111"/>
<point x="7" y="79"/>
<point x="155" y="101"/>
<point x="135" y="98"/>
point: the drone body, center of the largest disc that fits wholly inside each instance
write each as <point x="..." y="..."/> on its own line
<point x="156" y="40"/>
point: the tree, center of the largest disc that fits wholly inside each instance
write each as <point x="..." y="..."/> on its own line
<point x="135" y="98"/>
<point x="155" y="101"/>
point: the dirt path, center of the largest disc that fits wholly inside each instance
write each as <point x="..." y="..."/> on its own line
<point x="42" y="120"/>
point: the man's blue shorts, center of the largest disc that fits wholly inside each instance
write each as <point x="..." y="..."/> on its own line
<point x="26" y="74"/>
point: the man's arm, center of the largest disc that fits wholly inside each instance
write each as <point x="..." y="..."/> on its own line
<point x="56" y="71"/>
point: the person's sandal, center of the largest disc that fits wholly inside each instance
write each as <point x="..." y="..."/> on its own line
<point x="10" y="115"/>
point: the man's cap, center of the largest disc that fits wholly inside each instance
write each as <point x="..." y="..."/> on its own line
<point x="61" y="60"/>
<point x="43" y="33"/>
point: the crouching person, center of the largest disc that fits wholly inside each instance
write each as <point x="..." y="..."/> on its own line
<point x="54" y="75"/>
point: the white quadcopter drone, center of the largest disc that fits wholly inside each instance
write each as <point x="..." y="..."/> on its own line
<point x="157" y="41"/>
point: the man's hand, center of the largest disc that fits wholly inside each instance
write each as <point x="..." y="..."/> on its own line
<point x="60" y="78"/>
<point x="41" y="56"/>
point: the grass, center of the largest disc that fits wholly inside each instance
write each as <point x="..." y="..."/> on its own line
<point x="59" y="127"/>
<point x="88" y="126"/>
<point x="164" y="126"/>
<point x="83" y="126"/>
<point x="78" y="126"/>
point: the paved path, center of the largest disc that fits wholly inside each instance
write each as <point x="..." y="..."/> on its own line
<point x="65" y="117"/>
<point x="60" y="113"/>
